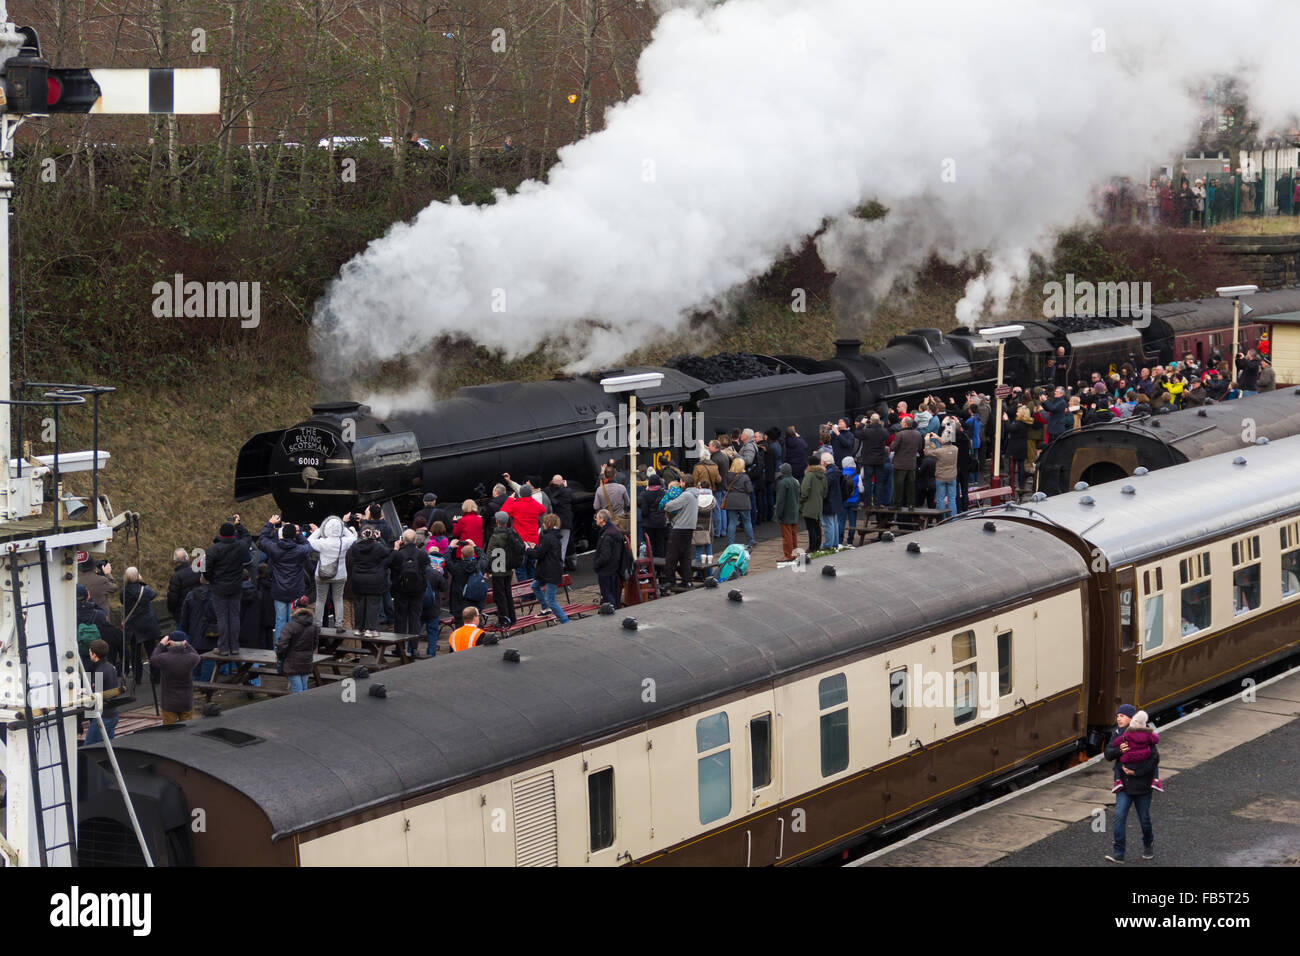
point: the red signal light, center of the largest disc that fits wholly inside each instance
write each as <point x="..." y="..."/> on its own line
<point x="54" y="90"/>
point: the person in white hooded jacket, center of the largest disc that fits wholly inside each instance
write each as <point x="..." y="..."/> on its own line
<point x="332" y="541"/>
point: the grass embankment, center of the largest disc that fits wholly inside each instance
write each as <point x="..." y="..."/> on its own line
<point x="174" y="450"/>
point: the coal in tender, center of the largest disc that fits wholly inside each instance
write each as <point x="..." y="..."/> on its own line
<point x="723" y="367"/>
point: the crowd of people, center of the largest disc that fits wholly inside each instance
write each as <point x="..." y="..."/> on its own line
<point x="1195" y="202"/>
<point x="284" y="587"/>
<point x="928" y="456"/>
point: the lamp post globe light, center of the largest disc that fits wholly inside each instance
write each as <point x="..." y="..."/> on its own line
<point x="1235" y="292"/>
<point x="614" y="385"/>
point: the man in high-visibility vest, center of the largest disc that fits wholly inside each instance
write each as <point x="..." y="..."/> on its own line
<point x="467" y="635"/>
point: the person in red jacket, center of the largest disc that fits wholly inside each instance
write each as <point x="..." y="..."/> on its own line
<point x="526" y="516"/>
<point x="469" y="526"/>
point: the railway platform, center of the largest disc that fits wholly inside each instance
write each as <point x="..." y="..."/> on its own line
<point x="1232" y="798"/>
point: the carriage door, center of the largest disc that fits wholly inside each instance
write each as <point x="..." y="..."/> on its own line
<point x="1127" y="655"/>
<point x="615" y="791"/>
<point x="764" y="827"/>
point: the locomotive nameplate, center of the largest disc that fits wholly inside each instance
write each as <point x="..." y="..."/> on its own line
<point x="308" y="446"/>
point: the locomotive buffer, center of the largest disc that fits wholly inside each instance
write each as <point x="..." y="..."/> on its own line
<point x="43" y="687"/>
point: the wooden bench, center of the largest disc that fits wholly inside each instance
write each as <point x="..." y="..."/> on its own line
<point x="245" y="662"/>
<point x="899" y="521"/>
<point x="991" y="495"/>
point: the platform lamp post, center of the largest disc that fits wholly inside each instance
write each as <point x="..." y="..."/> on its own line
<point x="1235" y="292"/>
<point x="999" y="334"/>
<point x="631" y="383"/>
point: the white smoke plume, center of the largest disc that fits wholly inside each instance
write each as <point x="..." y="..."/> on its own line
<point x="983" y="126"/>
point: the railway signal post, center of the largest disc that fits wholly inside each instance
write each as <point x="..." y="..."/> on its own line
<point x="1235" y="292"/>
<point x="43" y="687"/>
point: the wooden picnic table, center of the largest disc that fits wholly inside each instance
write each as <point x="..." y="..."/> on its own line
<point x="905" y="519"/>
<point x="705" y="568"/>
<point x="244" y="661"/>
<point x="378" y="645"/>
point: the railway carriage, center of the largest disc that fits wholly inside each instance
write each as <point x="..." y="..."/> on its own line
<point x="770" y="730"/>
<point x="1196" y="572"/>
<point x="777" y="729"/>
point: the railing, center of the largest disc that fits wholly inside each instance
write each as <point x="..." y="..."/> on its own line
<point x="62" y="395"/>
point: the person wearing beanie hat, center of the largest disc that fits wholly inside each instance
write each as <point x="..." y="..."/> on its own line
<point x="223" y="567"/>
<point x="286" y="555"/>
<point x="174" y="660"/>
<point x="88" y="612"/>
<point x="786" y="509"/>
<point x="849" y="516"/>
<point x="653" y="520"/>
<point x="1135" y="778"/>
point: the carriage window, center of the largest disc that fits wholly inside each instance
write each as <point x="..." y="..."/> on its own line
<point x="712" y="734"/>
<point x="600" y="807"/>
<point x="1004" y="663"/>
<point x="1290" y="535"/>
<point x="898" y="702"/>
<point x="1194" y="568"/>
<point x="833" y="692"/>
<point x="760" y="750"/>
<point x="1245" y="575"/>
<point x="964" y="677"/>
<point x="1291" y="573"/>
<point x="1196" y="608"/>
<point x="1194" y="574"/>
<point x="1245" y="589"/>
<point x="1153" y="622"/>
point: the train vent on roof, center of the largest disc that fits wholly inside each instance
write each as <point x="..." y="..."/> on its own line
<point x="536" y="834"/>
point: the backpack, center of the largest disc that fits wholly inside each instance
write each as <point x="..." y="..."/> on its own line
<point x="409" y="579"/>
<point x="626" y="565"/>
<point x="734" y="561"/>
<point x="86" y="633"/>
<point x="846" y="486"/>
<point x="515" y="549"/>
<point x="476" y="587"/>
<point x="757" y="472"/>
<point x="327" y="571"/>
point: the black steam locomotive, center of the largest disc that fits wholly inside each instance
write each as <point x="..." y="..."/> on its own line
<point x="343" y="456"/>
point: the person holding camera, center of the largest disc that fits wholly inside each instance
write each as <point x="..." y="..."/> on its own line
<point x="332" y="541"/>
<point x="369" y="579"/>
<point x="286" y="552"/>
<point x="224" y="570"/>
<point x="97" y="578"/>
<point x="174" y="660"/>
